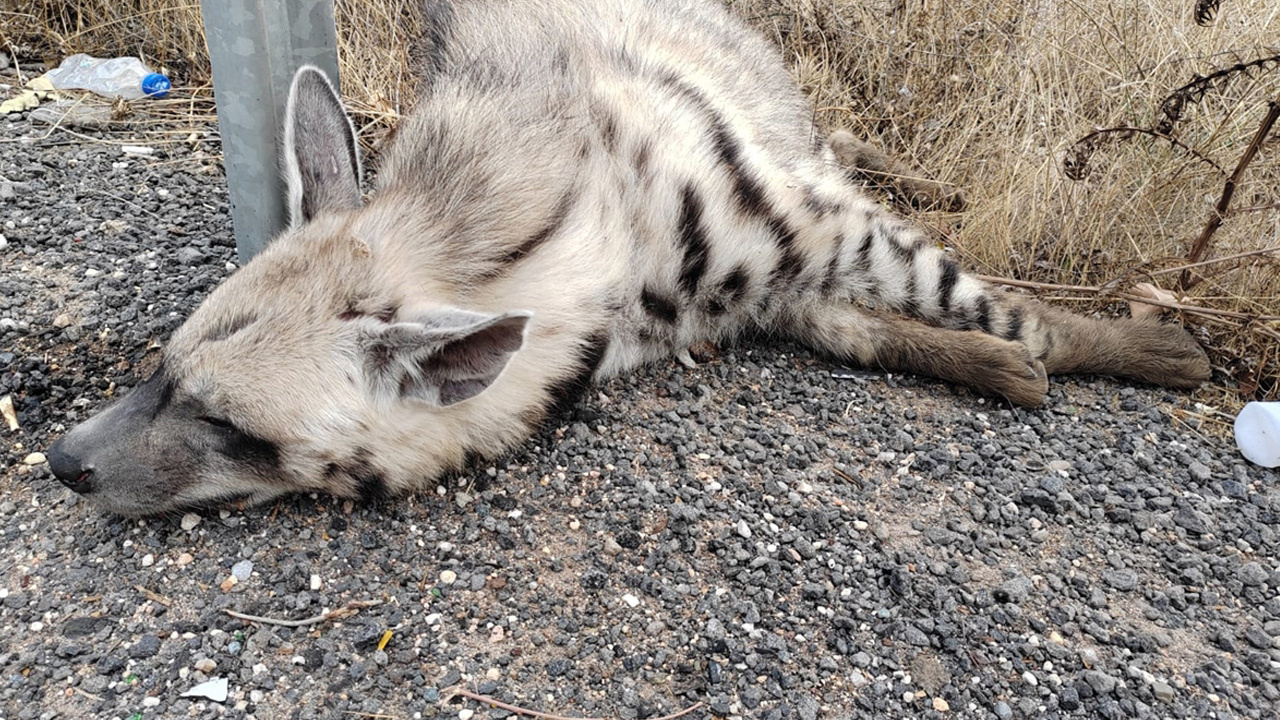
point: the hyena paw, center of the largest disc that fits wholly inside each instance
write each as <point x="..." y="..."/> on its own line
<point x="881" y="169"/>
<point x="1166" y="354"/>
<point x="1004" y="368"/>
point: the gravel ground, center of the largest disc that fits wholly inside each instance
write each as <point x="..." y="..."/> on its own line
<point x="757" y="534"/>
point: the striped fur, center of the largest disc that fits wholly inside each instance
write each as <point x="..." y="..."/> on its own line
<point x="586" y="186"/>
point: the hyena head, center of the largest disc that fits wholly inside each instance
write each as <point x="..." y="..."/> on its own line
<point x="280" y="379"/>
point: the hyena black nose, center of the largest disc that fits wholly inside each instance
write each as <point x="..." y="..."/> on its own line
<point x="68" y="468"/>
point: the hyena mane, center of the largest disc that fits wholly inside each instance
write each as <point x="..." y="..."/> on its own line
<point x="584" y="187"/>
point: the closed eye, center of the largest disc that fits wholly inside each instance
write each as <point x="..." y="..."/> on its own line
<point x="217" y="422"/>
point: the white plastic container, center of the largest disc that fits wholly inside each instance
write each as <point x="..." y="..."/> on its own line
<point x="1258" y="433"/>
<point x="124" y="77"/>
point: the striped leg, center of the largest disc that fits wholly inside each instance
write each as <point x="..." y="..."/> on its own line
<point x="986" y="363"/>
<point x="892" y="267"/>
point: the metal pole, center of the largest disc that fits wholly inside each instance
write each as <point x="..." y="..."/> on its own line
<point x="255" y="47"/>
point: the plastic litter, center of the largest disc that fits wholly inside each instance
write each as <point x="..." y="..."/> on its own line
<point x="124" y="77"/>
<point x="215" y="690"/>
<point x="1258" y="433"/>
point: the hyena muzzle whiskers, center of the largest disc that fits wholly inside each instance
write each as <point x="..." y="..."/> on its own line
<point x="584" y="187"/>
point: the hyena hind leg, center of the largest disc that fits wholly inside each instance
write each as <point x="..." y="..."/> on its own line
<point x="1147" y="350"/>
<point x="882" y="169"/>
<point x="985" y="363"/>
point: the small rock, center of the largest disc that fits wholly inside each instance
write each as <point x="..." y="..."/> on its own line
<point x="1199" y="472"/>
<point x="205" y="665"/>
<point x="147" y="646"/>
<point x="190" y="521"/>
<point x="1003" y="711"/>
<point x="242" y="570"/>
<point x="6" y="189"/>
<point x="62" y="320"/>
<point x="1162" y="691"/>
<point x="229" y="583"/>
<point x="34" y="458"/>
<point x="1014" y="591"/>
<point x="315" y="582"/>
<point x="1191" y="521"/>
<point x="466" y="713"/>
<point x="611" y="547"/>
<point x="1101" y="682"/>
<point x="448" y="577"/>
<point x="940" y="705"/>
<point x="1253" y="573"/>
<point x="185" y="559"/>
<point x="1125" y="580"/>
<point x="190" y="256"/>
<point x="743" y="528"/>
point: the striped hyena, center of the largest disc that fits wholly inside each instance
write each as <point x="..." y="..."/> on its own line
<point x="585" y="186"/>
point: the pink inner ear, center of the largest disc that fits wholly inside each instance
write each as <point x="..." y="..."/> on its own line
<point x="350" y="315"/>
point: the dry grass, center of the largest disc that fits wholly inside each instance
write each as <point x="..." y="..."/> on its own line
<point x="988" y="94"/>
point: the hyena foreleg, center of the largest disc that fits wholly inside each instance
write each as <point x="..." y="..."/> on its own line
<point x="985" y="363"/>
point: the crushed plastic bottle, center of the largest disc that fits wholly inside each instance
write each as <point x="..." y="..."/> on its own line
<point x="124" y="77"/>
<point x="1258" y="433"/>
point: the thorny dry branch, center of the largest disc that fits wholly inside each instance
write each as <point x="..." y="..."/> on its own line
<point x="1228" y="190"/>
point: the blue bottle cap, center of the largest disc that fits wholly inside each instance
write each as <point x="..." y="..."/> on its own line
<point x="156" y="85"/>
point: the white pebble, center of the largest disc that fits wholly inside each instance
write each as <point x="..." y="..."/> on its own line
<point x="148" y="560"/>
<point x="631" y="600"/>
<point x="190" y="521"/>
<point x="448" y="577"/>
<point x="150" y="702"/>
<point x="315" y="582"/>
<point x="34" y="458"/>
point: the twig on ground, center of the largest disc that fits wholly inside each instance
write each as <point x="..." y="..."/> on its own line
<point x="1214" y="261"/>
<point x="1228" y="189"/>
<point x="154" y="596"/>
<point x="548" y="716"/>
<point x="1103" y="291"/>
<point x="341" y="613"/>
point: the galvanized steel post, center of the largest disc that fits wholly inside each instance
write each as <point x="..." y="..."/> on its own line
<point x="255" y="47"/>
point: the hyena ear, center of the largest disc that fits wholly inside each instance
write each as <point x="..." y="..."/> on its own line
<point x="321" y="157"/>
<point x="442" y="358"/>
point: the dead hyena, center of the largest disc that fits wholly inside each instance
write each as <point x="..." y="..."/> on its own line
<point x="584" y="187"/>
